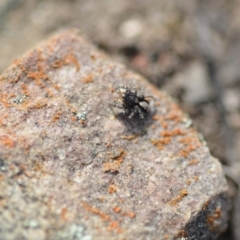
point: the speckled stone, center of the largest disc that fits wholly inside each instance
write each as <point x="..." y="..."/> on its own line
<point x="73" y="167"/>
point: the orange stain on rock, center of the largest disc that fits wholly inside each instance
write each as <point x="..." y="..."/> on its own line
<point x="113" y="225"/>
<point x="7" y="141"/>
<point x="115" y="165"/>
<point x="25" y="89"/>
<point x="37" y="105"/>
<point x="57" y="116"/>
<point x="96" y="211"/>
<point x="112" y="188"/>
<point x="88" y="79"/>
<point x="64" y="214"/>
<point x="193" y="162"/>
<point x="68" y="59"/>
<point x="129" y="214"/>
<point x="117" y="209"/>
<point x="174" y="202"/>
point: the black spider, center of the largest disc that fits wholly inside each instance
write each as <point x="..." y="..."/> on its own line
<point x="131" y="102"/>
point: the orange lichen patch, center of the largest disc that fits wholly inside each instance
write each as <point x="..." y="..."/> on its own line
<point x="74" y="118"/>
<point x="190" y="145"/>
<point x="188" y="140"/>
<point x="17" y="71"/>
<point x="111" y="89"/>
<point x="166" y="134"/>
<point x="68" y="104"/>
<point x="161" y="142"/>
<point x="56" y="86"/>
<point x="25" y="89"/>
<point x="157" y="143"/>
<point x="193" y="162"/>
<point x="130" y="137"/>
<point x="5" y="100"/>
<point x="93" y="57"/>
<point x="68" y="59"/>
<point x="64" y="214"/>
<point x="1" y="177"/>
<point x="112" y="188"/>
<point x="102" y="199"/>
<point x="164" y="124"/>
<point x="161" y="121"/>
<point x="7" y="141"/>
<point x="111" y="167"/>
<point x="166" y="237"/>
<point x="165" y="140"/>
<point x="196" y="178"/>
<point x="174" y="132"/>
<point x="129" y="214"/>
<point x="179" y="198"/>
<point x="174" y="114"/>
<point x="109" y="144"/>
<point x="12" y="95"/>
<point x="115" y="165"/>
<point x="88" y="79"/>
<point x="96" y="211"/>
<point x="57" y="116"/>
<point x="178" y="132"/>
<point x="167" y="137"/>
<point x="84" y="123"/>
<point x="185" y="152"/>
<point x="155" y="118"/>
<point x="37" y="167"/>
<point x="49" y="92"/>
<point x="189" y="182"/>
<point x="37" y="105"/>
<point x="154" y="126"/>
<point x="39" y="74"/>
<point x="117" y="209"/>
<point x="113" y="225"/>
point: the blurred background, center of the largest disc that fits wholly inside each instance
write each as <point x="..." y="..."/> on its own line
<point x="191" y="49"/>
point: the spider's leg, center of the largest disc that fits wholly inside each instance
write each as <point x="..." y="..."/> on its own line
<point x="145" y="100"/>
<point x="121" y="88"/>
<point x="125" y="109"/>
<point x="147" y="97"/>
<point x="118" y="104"/>
<point x="139" y="109"/>
<point x="134" y="111"/>
<point x="142" y="108"/>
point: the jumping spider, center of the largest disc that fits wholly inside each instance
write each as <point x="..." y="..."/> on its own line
<point x="131" y="102"/>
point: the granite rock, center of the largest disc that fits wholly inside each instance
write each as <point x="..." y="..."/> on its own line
<point x="73" y="167"/>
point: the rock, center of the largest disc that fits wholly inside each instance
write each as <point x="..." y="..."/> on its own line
<point x="71" y="167"/>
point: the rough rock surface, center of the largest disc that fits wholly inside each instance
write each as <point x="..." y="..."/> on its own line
<point x="72" y="167"/>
